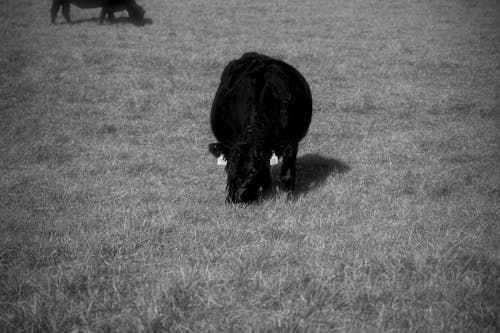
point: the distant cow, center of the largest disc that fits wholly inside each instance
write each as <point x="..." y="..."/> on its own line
<point x="135" y="12"/>
<point x="262" y="105"/>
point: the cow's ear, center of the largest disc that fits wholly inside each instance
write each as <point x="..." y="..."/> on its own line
<point x="217" y="149"/>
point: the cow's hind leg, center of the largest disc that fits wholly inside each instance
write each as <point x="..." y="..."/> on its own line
<point x="104" y="11"/>
<point x="53" y="10"/>
<point x="65" y="11"/>
<point x="287" y="176"/>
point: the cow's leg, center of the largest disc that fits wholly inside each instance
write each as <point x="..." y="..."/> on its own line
<point x="103" y="14"/>
<point x="111" y="15"/>
<point x="287" y="175"/>
<point x="266" y="178"/>
<point x="53" y="10"/>
<point x="65" y="11"/>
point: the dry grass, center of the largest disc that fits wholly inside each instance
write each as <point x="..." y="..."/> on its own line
<point x="112" y="214"/>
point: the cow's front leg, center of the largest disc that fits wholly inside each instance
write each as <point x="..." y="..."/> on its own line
<point x="65" y="11"/>
<point x="287" y="176"/>
<point x="265" y="178"/>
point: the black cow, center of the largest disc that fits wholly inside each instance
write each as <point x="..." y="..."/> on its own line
<point x="135" y="12"/>
<point x="261" y="105"/>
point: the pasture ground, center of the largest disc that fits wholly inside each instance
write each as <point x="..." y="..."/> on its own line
<point x="112" y="214"/>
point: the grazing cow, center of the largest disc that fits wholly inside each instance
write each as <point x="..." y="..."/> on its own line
<point x="135" y="12"/>
<point x="262" y="105"/>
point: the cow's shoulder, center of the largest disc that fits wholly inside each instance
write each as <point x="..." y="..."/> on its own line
<point x="246" y="67"/>
<point x="234" y="70"/>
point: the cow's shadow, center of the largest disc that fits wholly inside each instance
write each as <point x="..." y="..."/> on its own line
<point x="311" y="172"/>
<point x="314" y="169"/>
<point x="116" y="20"/>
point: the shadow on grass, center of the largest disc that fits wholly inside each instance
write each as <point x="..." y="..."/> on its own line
<point x="312" y="171"/>
<point x="117" y="20"/>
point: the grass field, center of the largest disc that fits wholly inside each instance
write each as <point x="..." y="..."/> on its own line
<point x="112" y="214"/>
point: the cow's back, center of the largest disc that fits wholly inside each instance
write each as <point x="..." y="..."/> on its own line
<point x="85" y="4"/>
<point x="259" y="86"/>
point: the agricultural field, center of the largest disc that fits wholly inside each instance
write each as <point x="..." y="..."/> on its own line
<point x="112" y="210"/>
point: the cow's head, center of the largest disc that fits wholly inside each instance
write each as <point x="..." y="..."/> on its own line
<point x="244" y="168"/>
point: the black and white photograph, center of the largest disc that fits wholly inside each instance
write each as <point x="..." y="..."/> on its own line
<point x="250" y="166"/>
